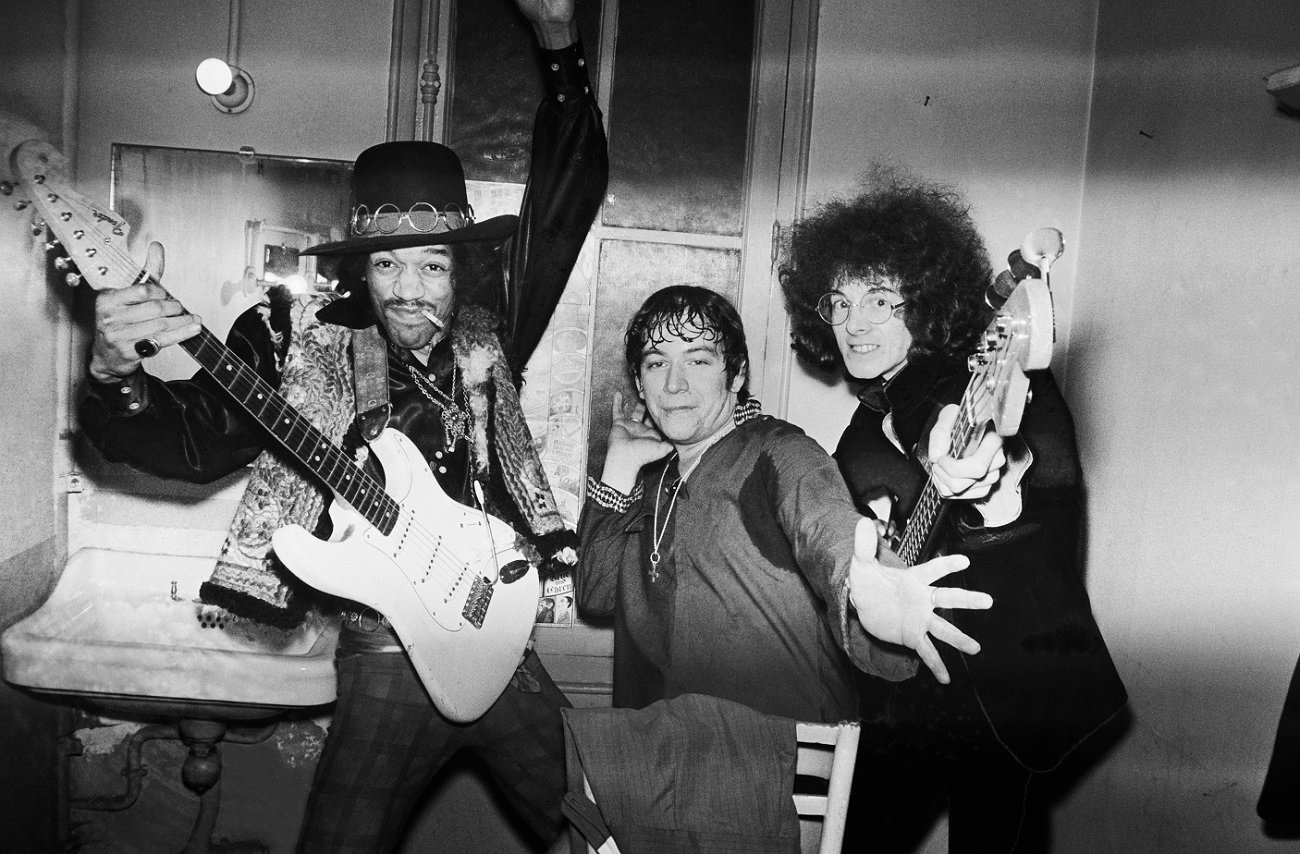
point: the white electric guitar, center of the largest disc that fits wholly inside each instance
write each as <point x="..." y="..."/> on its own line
<point x="1018" y="339"/>
<point x="458" y="594"/>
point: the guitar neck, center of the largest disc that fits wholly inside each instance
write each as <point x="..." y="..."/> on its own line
<point x="96" y="239"/>
<point x="307" y="444"/>
<point x="917" y="543"/>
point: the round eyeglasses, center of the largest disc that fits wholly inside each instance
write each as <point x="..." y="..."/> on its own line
<point x="421" y="216"/>
<point x="834" y="308"/>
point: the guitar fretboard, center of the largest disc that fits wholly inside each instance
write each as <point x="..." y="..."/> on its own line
<point x="102" y="259"/>
<point x="929" y="506"/>
<point x="365" y="494"/>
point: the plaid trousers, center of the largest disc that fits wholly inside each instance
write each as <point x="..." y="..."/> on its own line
<point x="387" y="742"/>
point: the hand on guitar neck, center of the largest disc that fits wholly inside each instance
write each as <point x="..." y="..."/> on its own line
<point x="137" y="321"/>
<point x="969" y="478"/>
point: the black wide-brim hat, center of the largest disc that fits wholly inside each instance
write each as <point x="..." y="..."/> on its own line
<point x="411" y="194"/>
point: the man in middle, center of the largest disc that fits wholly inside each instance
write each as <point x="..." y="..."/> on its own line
<point x="726" y="546"/>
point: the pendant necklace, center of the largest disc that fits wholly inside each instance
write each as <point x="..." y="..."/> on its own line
<point x="455" y="420"/>
<point x="657" y="534"/>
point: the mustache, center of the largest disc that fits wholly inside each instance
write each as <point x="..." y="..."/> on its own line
<point x="423" y="305"/>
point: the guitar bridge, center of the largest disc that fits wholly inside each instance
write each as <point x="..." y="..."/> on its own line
<point x="476" y="603"/>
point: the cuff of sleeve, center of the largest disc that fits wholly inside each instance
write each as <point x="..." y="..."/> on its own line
<point x="566" y="73"/>
<point x="606" y="496"/>
<point x="888" y="661"/>
<point x="124" y="398"/>
<point x="549" y="545"/>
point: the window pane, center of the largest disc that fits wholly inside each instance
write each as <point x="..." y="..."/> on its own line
<point x="679" y="115"/>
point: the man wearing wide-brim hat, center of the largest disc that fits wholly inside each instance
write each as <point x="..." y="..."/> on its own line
<point x="428" y="339"/>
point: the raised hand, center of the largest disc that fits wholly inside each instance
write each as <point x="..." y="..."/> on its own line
<point x="137" y="321"/>
<point x="552" y="21"/>
<point x="897" y="605"/>
<point x="632" y="444"/>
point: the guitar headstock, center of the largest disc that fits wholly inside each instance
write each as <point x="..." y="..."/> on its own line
<point x="1019" y="339"/>
<point x="93" y="237"/>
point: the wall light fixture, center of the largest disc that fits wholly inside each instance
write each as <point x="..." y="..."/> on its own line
<point x="230" y="87"/>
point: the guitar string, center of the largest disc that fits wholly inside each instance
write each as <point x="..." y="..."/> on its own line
<point x="369" y="488"/>
<point x="929" y="503"/>
<point x="368" y="497"/>
<point x="369" y="494"/>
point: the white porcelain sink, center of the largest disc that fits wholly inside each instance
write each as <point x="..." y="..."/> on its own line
<point x="124" y="632"/>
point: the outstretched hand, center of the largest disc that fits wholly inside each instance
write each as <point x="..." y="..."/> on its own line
<point x="897" y="605"/>
<point x="632" y="444"/>
<point x="972" y="477"/>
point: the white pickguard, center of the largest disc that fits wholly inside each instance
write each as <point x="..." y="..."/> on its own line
<point x="437" y="561"/>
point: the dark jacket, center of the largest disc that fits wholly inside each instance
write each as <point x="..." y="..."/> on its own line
<point x="1043" y="678"/>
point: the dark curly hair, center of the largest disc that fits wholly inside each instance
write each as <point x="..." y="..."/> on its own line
<point x="685" y="311"/>
<point x="917" y="234"/>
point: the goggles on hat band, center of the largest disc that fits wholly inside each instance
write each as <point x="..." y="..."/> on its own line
<point x="421" y="218"/>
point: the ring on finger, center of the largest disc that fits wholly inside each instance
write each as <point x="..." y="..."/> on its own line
<point x="147" y="347"/>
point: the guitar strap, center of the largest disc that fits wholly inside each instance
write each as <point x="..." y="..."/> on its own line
<point x="370" y="381"/>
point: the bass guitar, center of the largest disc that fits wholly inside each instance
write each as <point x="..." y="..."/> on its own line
<point x="1017" y="340"/>
<point x="457" y="592"/>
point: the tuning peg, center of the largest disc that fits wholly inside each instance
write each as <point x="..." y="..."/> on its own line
<point x="52" y="244"/>
<point x="61" y="263"/>
<point x="21" y="205"/>
<point x="38" y="227"/>
<point x="72" y="279"/>
<point x="1042" y="247"/>
<point x="38" y="179"/>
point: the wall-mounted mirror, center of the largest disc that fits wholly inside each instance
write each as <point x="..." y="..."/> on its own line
<point x="231" y="225"/>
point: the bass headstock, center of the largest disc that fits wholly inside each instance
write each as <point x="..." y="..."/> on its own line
<point x="1018" y="339"/>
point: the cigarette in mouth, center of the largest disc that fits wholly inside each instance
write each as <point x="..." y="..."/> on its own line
<point x="433" y="318"/>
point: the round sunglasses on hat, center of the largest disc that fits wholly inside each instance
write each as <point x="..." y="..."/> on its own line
<point x="411" y="193"/>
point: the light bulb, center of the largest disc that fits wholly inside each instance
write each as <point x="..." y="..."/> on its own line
<point x="214" y="76"/>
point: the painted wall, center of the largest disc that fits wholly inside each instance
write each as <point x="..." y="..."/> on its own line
<point x="993" y="101"/>
<point x="1182" y="380"/>
<point x="31" y="105"/>
<point x="1177" y="187"/>
<point x="321" y="76"/>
